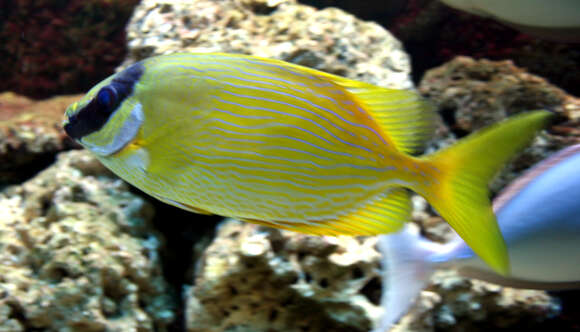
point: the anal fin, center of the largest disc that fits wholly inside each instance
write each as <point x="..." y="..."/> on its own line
<point x="387" y="213"/>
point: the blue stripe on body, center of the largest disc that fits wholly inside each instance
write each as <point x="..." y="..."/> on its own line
<point x="267" y="146"/>
<point x="279" y="124"/>
<point x="294" y="139"/>
<point x="229" y="169"/>
<point x="329" y="167"/>
<point x="314" y="105"/>
<point x="291" y="115"/>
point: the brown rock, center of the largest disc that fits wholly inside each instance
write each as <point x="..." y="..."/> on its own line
<point x="30" y="134"/>
<point x="481" y="92"/>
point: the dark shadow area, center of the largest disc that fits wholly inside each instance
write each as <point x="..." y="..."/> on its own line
<point x="31" y="165"/>
<point x="181" y="230"/>
<point x="569" y="319"/>
<point x="381" y="11"/>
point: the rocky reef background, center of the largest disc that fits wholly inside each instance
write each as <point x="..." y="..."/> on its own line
<point x="82" y="251"/>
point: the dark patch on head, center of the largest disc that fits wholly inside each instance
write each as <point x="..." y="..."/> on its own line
<point x="96" y="113"/>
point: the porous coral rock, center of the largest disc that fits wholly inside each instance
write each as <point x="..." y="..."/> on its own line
<point x="77" y="254"/>
<point x="30" y="134"/>
<point x="455" y="303"/>
<point x="330" y="39"/>
<point x="480" y="92"/>
<point x="253" y="278"/>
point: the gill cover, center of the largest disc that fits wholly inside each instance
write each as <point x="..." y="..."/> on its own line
<point x="107" y="119"/>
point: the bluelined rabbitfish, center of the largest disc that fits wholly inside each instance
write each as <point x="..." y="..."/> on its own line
<point x="557" y="20"/>
<point x="539" y="217"/>
<point x="291" y="147"/>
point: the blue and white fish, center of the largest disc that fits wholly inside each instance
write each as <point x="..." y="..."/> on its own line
<point x="539" y="217"/>
<point x="557" y="19"/>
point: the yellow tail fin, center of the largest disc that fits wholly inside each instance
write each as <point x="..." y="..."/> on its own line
<point x="462" y="172"/>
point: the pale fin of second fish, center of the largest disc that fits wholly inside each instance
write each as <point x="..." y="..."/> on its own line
<point x="385" y="214"/>
<point x="406" y="271"/>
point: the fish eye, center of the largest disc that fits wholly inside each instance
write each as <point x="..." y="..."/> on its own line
<point x="106" y="98"/>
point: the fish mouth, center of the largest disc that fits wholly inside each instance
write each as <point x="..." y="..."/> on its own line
<point x="65" y="124"/>
<point x="90" y="115"/>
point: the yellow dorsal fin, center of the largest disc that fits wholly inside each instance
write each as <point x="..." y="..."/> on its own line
<point x="404" y="116"/>
<point x="386" y="214"/>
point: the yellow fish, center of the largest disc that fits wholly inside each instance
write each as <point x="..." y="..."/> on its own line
<point x="291" y="147"/>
